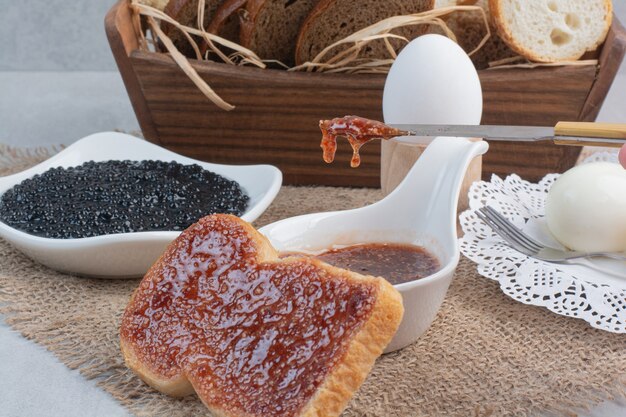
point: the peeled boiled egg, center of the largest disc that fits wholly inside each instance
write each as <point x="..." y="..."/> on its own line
<point x="586" y="208"/>
<point x="432" y="81"/>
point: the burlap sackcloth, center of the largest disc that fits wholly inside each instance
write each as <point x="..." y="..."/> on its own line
<point x="485" y="354"/>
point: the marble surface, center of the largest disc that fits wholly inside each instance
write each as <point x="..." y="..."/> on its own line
<point x="34" y="383"/>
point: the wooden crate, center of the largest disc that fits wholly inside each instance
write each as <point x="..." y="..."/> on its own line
<point x="277" y="112"/>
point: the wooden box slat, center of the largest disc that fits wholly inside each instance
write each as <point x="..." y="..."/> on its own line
<point x="536" y="97"/>
<point x="277" y="112"/>
<point x="275" y="121"/>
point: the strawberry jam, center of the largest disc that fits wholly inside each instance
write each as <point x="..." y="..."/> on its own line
<point x="396" y="263"/>
<point x="258" y="336"/>
<point x="357" y="130"/>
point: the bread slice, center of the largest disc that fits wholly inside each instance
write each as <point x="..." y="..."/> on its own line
<point x="185" y="12"/>
<point x="270" y="27"/>
<point x="552" y="30"/>
<point x="333" y="20"/>
<point x="254" y="335"/>
<point x="227" y="19"/>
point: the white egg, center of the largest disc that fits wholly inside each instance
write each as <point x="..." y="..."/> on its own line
<point x="432" y="81"/>
<point x="586" y="208"/>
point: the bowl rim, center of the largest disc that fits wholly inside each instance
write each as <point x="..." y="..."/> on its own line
<point x="442" y="273"/>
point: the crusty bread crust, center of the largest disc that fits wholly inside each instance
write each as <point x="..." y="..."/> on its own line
<point x="351" y="369"/>
<point x="247" y="25"/>
<point x="179" y="385"/>
<point x="510" y="39"/>
<point x="318" y="10"/>
<point x="176" y="387"/>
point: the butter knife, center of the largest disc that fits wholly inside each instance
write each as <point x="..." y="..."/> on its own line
<point x="564" y="133"/>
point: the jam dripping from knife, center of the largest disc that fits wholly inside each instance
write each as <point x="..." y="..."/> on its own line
<point x="358" y="131"/>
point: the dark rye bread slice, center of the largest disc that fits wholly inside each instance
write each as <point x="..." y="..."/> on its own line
<point x="333" y="20"/>
<point x="185" y="12"/>
<point x="270" y="27"/>
<point x="227" y="18"/>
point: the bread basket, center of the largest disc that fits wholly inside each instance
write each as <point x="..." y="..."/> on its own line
<point x="277" y="112"/>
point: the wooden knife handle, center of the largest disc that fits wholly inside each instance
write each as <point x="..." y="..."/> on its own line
<point x="590" y="130"/>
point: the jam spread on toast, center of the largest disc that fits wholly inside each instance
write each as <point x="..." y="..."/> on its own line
<point x="260" y="336"/>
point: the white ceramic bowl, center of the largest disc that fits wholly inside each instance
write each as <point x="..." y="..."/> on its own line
<point x="126" y="254"/>
<point x="420" y="211"/>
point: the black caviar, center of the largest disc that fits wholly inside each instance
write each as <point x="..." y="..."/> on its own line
<point x="99" y="198"/>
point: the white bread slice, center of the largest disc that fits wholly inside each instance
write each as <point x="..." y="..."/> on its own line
<point x="552" y="30"/>
<point x="199" y="319"/>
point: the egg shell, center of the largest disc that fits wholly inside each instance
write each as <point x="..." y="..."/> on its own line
<point x="432" y="81"/>
<point x="586" y="208"/>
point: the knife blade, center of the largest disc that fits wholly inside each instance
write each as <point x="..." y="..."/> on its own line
<point x="564" y="133"/>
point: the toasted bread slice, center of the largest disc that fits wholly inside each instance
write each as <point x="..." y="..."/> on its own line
<point x="552" y="30"/>
<point x="254" y="335"/>
<point x="333" y="20"/>
<point x="270" y="27"/>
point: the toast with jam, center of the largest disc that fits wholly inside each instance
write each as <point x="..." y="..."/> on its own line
<point x="252" y="334"/>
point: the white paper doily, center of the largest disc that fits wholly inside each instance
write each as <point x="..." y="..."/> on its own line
<point x="595" y="294"/>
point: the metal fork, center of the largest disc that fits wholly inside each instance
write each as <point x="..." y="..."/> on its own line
<point x="523" y="243"/>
